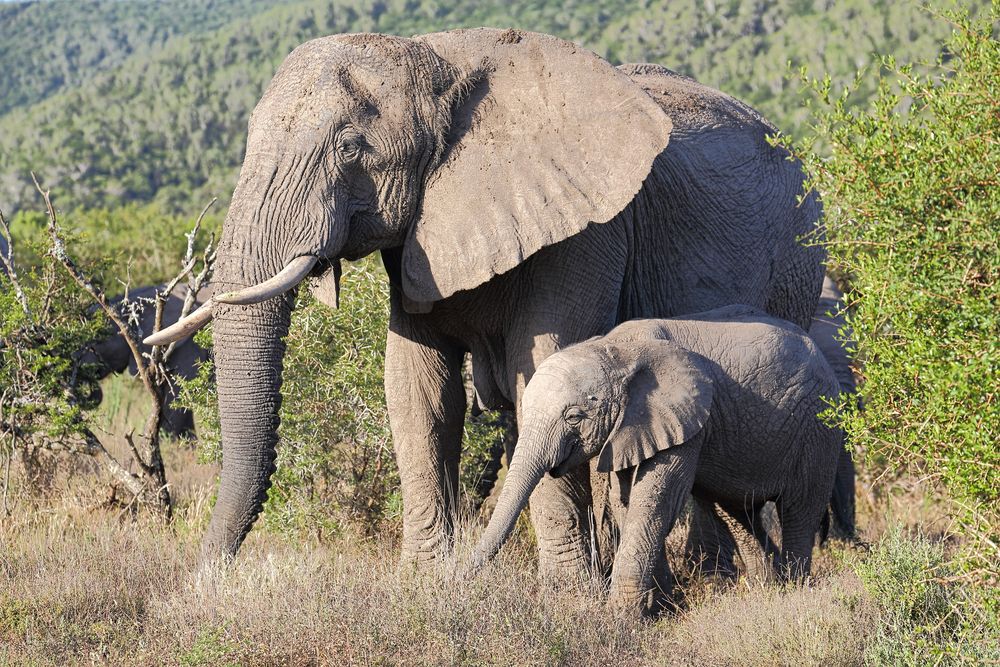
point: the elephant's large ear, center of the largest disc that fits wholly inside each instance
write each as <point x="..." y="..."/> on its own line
<point x="668" y="396"/>
<point x="549" y="139"/>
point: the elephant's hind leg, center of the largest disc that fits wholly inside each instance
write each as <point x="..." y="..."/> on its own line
<point x="426" y="402"/>
<point x="754" y="531"/>
<point x="842" y="501"/>
<point x="799" y="523"/>
<point x="711" y="547"/>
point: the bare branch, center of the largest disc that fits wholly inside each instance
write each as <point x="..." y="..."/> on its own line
<point x="150" y="371"/>
<point x="135" y="454"/>
<point x="193" y="234"/>
<point x="92" y="446"/>
<point x="59" y="252"/>
<point x="195" y="281"/>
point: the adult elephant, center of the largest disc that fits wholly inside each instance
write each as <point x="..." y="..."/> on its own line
<point x="828" y="329"/>
<point x="523" y="196"/>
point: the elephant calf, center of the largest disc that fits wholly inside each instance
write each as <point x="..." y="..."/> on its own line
<point x="721" y="404"/>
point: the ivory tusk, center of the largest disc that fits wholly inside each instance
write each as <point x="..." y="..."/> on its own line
<point x="182" y="328"/>
<point x="286" y="279"/>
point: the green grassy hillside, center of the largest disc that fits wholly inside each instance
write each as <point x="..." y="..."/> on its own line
<point x="51" y="46"/>
<point x="115" y="101"/>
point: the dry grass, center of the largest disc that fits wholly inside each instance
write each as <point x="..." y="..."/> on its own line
<point x="97" y="589"/>
<point x="81" y="583"/>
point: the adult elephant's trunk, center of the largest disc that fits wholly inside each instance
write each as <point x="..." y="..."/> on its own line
<point x="248" y="355"/>
<point x="533" y="457"/>
<point x="249" y="351"/>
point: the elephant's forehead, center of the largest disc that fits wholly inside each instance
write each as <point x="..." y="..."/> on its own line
<point x="325" y="81"/>
<point x="568" y="371"/>
<point x="549" y="389"/>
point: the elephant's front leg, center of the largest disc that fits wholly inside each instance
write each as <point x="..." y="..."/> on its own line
<point x="560" y="515"/>
<point x="560" y="507"/>
<point x="426" y="403"/>
<point x="641" y="579"/>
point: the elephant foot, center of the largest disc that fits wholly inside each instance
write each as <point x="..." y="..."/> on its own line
<point x="647" y="603"/>
<point x="566" y="570"/>
<point x="428" y="536"/>
<point x="566" y="558"/>
<point x="427" y="551"/>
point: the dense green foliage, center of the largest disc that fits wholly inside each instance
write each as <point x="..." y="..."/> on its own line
<point x="44" y="390"/>
<point x="87" y="37"/>
<point x="913" y="215"/>
<point x="136" y="101"/>
<point x="134" y="245"/>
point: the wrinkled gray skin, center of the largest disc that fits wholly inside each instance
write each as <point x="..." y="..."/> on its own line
<point x="714" y="542"/>
<point x="524" y="197"/>
<point x="114" y="356"/>
<point x="722" y="405"/>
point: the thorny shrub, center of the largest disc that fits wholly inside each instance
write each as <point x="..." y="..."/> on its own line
<point x="912" y="203"/>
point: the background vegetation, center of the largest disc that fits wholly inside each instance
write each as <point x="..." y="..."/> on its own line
<point x="910" y="186"/>
<point x="140" y="101"/>
<point x="134" y="113"/>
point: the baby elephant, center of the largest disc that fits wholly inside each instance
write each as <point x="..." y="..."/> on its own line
<point x="721" y="404"/>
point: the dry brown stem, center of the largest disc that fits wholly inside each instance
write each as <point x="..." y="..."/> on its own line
<point x="151" y="484"/>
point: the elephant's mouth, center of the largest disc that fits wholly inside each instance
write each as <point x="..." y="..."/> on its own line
<point x="290" y="276"/>
<point x="562" y="467"/>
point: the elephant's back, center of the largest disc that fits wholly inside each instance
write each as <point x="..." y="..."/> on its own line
<point x="731" y="203"/>
<point x="691" y="105"/>
<point x="753" y="349"/>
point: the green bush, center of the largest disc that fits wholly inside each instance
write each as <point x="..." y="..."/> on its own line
<point x="335" y="460"/>
<point x="912" y="208"/>
<point x="137" y="244"/>
<point x="924" y="613"/>
<point x="44" y="391"/>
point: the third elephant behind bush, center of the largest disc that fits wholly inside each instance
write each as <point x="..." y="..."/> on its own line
<point x="113" y="355"/>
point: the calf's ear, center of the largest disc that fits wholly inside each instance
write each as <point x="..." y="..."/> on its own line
<point x="667" y="400"/>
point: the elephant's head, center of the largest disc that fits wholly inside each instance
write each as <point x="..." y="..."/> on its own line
<point x="620" y="401"/>
<point x="466" y="152"/>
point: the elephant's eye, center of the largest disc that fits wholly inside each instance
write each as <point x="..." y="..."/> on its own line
<point x="350" y="145"/>
<point x="574" y="416"/>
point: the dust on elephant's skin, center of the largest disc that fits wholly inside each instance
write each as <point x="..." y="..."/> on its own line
<point x="524" y="195"/>
<point x="723" y="405"/>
